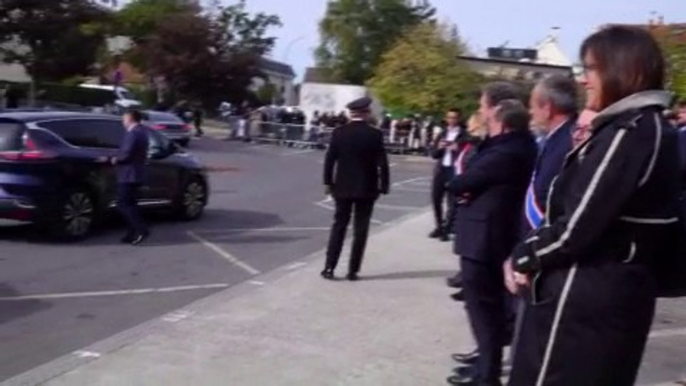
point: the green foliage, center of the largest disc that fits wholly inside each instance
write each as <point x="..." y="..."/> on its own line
<point x="422" y="73"/>
<point x="356" y="33"/>
<point x="673" y="43"/>
<point x="52" y="39"/>
<point x="266" y="93"/>
<point x="209" y="57"/>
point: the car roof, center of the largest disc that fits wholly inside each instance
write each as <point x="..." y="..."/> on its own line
<point x="35" y="116"/>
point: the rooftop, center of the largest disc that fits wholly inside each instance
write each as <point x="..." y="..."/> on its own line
<point x="277" y="67"/>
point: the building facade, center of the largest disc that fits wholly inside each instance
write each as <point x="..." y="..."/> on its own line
<point x="282" y="77"/>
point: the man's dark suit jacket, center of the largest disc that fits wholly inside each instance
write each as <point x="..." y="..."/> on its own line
<point x="487" y="224"/>
<point x="356" y="165"/>
<point x="132" y="156"/>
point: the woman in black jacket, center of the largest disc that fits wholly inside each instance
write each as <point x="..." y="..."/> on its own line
<point x="590" y="272"/>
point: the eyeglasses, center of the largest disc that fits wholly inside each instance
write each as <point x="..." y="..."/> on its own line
<point x="589" y="67"/>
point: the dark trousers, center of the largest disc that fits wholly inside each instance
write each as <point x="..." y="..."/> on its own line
<point x="485" y="301"/>
<point x="345" y="207"/>
<point x="127" y="203"/>
<point x="438" y="196"/>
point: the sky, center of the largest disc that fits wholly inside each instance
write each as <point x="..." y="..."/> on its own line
<point x="482" y="23"/>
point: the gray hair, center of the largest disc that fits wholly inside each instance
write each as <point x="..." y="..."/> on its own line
<point x="561" y="92"/>
<point x="496" y="92"/>
<point x="513" y="115"/>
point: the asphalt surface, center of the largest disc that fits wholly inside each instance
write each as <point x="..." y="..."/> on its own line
<point x="267" y="210"/>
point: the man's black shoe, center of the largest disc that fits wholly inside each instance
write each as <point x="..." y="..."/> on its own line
<point x="445" y="237"/>
<point x="465" y="371"/>
<point x="458" y="296"/>
<point x="455" y="281"/>
<point x="437" y="233"/>
<point x="352" y="277"/>
<point x="327" y="274"/>
<point x="458" y="380"/>
<point x="139" y="238"/>
<point x="128" y="238"/>
<point x="467" y="359"/>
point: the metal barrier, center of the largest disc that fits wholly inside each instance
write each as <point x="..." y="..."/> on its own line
<point x="302" y="136"/>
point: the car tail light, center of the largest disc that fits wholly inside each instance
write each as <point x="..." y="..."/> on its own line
<point x="187" y="127"/>
<point x="31" y="152"/>
<point x="159" y="127"/>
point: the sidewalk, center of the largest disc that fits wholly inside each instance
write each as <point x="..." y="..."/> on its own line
<point x="397" y="326"/>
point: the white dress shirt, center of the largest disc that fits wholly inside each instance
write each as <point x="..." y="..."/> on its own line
<point x="450" y="136"/>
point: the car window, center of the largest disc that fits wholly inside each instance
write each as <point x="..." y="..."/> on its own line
<point x="97" y="133"/>
<point x="163" y="117"/>
<point x="10" y="135"/>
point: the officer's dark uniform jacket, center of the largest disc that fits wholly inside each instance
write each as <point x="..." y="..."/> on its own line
<point x="594" y="260"/>
<point x="548" y="166"/>
<point x="495" y="181"/>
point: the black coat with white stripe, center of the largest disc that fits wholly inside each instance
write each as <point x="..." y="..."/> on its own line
<point x="594" y="261"/>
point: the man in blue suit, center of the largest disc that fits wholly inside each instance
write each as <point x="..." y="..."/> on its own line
<point x="553" y="107"/>
<point x="130" y="161"/>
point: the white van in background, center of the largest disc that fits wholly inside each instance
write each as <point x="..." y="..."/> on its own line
<point x="123" y="98"/>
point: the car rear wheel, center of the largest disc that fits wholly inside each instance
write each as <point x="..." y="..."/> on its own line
<point x="75" y="216"/>
<point x="191" y="204"/>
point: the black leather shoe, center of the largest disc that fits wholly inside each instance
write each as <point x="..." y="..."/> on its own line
<point x="468" y="371"/>
<point x="352" y="277"/>
<point x="455" y="281"/>
<point x="445" y="237"/>
<point x="458" y="380"/>
<point x="458" y="296"/>
<point x="437" y="233"/>
<point x="128" y="238"/>
<point x="467" y="359"/>
<point x="139" y="238"/>
<point x="327" y="274"/>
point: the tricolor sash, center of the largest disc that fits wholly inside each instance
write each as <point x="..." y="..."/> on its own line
<point x="534" y="213"/>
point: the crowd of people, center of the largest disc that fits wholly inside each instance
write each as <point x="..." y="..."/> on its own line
<point x="568" y="220"/>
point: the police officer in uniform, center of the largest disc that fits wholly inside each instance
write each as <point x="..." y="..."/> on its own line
<point x="355" y="173"/>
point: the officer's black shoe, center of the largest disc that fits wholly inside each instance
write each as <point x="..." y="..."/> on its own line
<point x="437" y="233"/>
<point x="352" y="277"/>
<point x="455" y="281"/>
<point x="465" y="371"/>
<point x="458" y="296"/>
<point x="468" y="358"/>
<point x="128" y="238"/>
<point x="445" y="237"/>
<point x="458" y="380"/>
<point x="140" y="238"/>
<point x="327" y="274"/>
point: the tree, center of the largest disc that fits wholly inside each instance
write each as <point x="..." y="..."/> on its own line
<point x="52" y="39"/>
<point x="356" y="33"/>
<point x="422" y="73"/>
<point x="672" y="39"/>
<point x="210" y="57"/>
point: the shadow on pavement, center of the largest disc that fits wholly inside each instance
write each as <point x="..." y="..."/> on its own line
<point x="410" y="275"/>
<point x="12" y="310"/>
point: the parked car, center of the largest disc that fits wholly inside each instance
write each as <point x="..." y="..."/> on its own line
<point x="170" y="125"/>
<point x="49" y="175"/>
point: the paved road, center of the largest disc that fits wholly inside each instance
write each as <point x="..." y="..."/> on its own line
<point x="57" y="299"/>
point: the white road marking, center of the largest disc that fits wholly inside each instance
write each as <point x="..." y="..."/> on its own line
<point x="260" y="230"/>
<point x="409" y="181"/>
<point x="668" y="333"/>
<point x="377" y="222"/>
<point x="398" y="207"/>
<point x="299" y="152"/>
<point x="177" y="316"/>
<point x="255" y="282"/>
<point x="295" y="265"/>
<point x="142" y="291"/>
<point x="87" y="354"/>
<point x="412" y="190"/>
<point x="229" y="257"/>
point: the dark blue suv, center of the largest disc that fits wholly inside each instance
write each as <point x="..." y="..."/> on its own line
<point x="49" y="175"/>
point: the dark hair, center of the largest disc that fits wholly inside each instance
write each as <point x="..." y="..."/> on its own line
<point x="135" y="114"/>
<point x="682" y="104"/>
<point x="455" y="110"/>
<point x="513" y="115"/>
<point x="497" y="92"/>
<point x="561" y="91"/>
<point x="628" y="60"/>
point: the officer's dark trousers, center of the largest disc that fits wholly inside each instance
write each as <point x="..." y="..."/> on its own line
<point x="438" y="195"/>
<point x="484" y="291"/>
<point x="345" y="207"/>
<point x="128" y="206"/>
